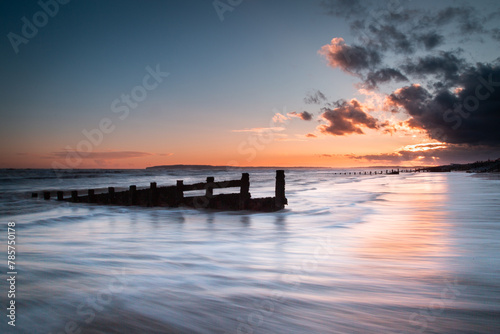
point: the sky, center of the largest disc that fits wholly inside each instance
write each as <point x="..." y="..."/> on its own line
<point x="330" y="83"/>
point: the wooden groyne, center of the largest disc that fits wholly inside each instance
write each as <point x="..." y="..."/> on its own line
<point x="387" y="172"/>
<point x="175" y="196"/>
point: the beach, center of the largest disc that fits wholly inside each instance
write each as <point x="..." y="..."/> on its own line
<point x="407" y="253"/>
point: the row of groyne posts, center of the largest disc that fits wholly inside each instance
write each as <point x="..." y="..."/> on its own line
<point x="387" y="171"/>
<point x="173" y="196"/>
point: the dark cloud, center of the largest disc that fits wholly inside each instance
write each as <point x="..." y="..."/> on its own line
<point x="412" y="98"/>
<point x="396" y="26"/>
<point x="447" y="95"/>
<point x="389" y="36"/>
<point x="384" y="75"/>
<point x="430" y="40"/>
<point x="466" y="18"/>
<point x="468" y="115"/>
<point x="305" y="116"/>
<point x="434" y="153"/>
<point x="317" y="97"/>
<point x="347" y="118"/>
<point x="344" y="8"/>
<point x="394" y="158"/>
<point x="446" y="66"/>
<point x="352" y="59"/>
<point x="421" y="153"/>
<point x="495" y="34"/>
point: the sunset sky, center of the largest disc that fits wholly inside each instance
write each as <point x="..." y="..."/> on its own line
<point x="131" y="84"/>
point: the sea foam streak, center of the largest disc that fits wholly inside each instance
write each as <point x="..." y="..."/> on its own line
<point x="408" y="253"/>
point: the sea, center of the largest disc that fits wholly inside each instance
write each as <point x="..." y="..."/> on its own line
<point x="350" y="253"/>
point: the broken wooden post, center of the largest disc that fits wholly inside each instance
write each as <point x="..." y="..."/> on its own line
<point x="46" y="195"/>
<point x="179" y="192"/>
<point x="244" y="191"/>
<point x="111" y="194"/>
<point x="74" y="196"/>
<point x="60" y="196"/>
<point x="91" y="196"/>
<point x="209" y="191"/>
<point x="280" y="199"/>
<point x="132" y="195"/>
<point x="153" y="194"/>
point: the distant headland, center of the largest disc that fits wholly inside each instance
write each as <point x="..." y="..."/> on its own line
<point x="489" y="166"/>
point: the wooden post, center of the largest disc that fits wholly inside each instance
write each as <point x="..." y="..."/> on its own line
<point x="244" y="191"/>
<point x="153" y="194"/>
<point x="280" y="199"/>
<point x="209" y="191"/>
<point x="60" y="196"/>
<point x="179" y="192"/>
<point x="111" y="194"/>
<point x="91" y="196"/>
<point x="46" y="195"/>
<point x="132" y="195"/>
<point x="74" y="196"/>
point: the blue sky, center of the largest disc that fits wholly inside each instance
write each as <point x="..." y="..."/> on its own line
<point x="223" y="76"/>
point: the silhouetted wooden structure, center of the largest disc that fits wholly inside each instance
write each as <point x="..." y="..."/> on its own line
<point x="174" y="196"/>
